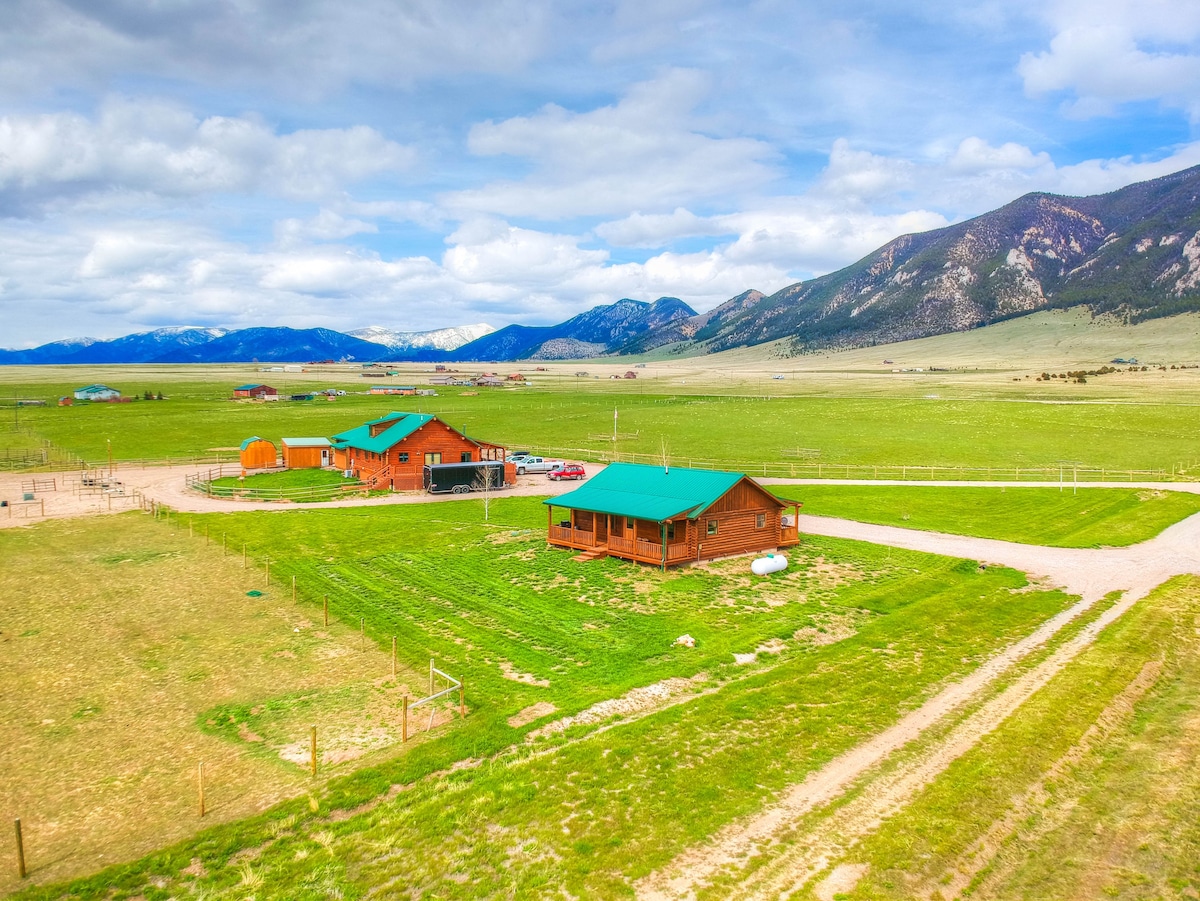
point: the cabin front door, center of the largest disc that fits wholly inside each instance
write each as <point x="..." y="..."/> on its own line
<point x="601" y="530"/>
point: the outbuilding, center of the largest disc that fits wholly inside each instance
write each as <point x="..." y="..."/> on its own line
<point x="393" y="451"/>
<point x="670" y="515"/>
<point x="258" y="453"/>
<point x="307" y="453"/>
<point x="97" y="392"/>
<point x="255" y="391"/>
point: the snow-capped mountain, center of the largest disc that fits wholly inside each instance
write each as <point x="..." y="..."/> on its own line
<point x="438" y="339"/>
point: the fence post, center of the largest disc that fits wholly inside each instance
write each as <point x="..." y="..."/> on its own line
<point x="313" y="749"/>
<point x="200" y="783"/>
<point x="404" y="721"/>
<point x="462" y="701"/>
<point x="20" y="849"/>
<point x="326" y="611"/>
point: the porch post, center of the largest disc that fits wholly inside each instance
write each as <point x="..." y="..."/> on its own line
<point x="662" y="528"/>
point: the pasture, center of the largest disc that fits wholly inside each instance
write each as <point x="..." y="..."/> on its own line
<point x="851" y="637"/>
<point x="842" y="434"/>
<point x="120" y="637"/>
<point x="597" y="749"/>
<point x="1090" y="517"/>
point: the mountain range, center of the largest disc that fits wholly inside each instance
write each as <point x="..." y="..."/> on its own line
<point x="1134" y="252"/>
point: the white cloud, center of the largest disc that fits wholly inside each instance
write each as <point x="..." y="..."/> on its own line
<point x="644" y="153"/>
<point x="307" y="49"/>
<point x="974" y="155"/>
<point x="657" y="229"/>
<point x="800" y="235"/>
<point x="142" y="150"/>
<point x="859" y="176"/>
<point x="1116" y="52"/>
<point x="325" y="226"/>
<point x="490" y="252"/>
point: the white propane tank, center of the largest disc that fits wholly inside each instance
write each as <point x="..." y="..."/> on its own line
<point x="772" y="563"/>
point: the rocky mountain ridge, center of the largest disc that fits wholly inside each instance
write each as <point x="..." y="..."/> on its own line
<point x="1134" y="252"/>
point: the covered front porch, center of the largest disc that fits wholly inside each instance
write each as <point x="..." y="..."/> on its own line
<point x="643" y="541"/>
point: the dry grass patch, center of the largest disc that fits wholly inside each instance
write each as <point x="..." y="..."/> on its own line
<point x="117" y="637"/>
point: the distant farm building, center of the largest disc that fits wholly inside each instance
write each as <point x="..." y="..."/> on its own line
<point x="307" y="453"/>
<point x="668" y="516"/>
<point x="441" y="380"/>
<point x="630" y="374"/>
<point x="257" y="453"/>
<point x="392" y="452"/>
<point x="254" y="391"/>
<point x="393" y="389"/>
<point x="97" y="392"/>
<point x="516" y="377"/>
<point x="66" y="401"/>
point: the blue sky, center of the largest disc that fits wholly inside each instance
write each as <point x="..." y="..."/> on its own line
<point x="444" y="162"/>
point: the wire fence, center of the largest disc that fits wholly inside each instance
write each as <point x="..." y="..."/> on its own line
<point x="206" y="483"/>
<point x="811" y="469"/>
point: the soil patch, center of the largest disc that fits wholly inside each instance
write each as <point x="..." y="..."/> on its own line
<point x="531" y="713"/>
<point x="636" y="701"/>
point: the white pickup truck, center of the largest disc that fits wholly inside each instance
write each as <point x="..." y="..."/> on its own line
<point x="536" y="464"/>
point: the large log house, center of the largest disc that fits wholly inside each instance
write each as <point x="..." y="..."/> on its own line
<point x="669" y="516"/>
<point x="393" y="451"/>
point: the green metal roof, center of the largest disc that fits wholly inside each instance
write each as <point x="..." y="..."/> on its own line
<point x="249" y="441"/>
<point x="649" y="492"/>
<point x="307" y="442"/>
<point x="360" y="438"/>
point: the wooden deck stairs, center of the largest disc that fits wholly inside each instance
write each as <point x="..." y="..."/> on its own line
<point x="378" y="479"/>
<point x="594" y="554"/>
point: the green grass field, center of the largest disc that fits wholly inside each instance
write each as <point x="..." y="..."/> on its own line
<point x="856" y="635"/>
<point x="787" y="671"/>
<point x="1096" y="517"/>
<point x="1089" y="791"/>
<point x="794" y="433"/>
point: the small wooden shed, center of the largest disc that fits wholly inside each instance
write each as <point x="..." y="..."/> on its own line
<point x="257" y="453"/>
<point x="307" y="453"/>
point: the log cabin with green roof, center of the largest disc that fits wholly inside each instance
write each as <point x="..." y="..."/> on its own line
<point x="669" y="516"/>
<point x="393" y="451"/>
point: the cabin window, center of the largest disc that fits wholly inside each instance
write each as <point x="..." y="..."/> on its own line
<point x="433" y="459"/>
<point x="404" y="458"/>
<point x="712" y="527"/>
<point x="760" y="521"/>
<point x="465" y="457"/>
<point x="618" y="524"/>
<point x="670" y="531"/>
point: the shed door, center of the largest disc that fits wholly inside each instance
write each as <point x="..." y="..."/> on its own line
<point x="324" y="456"/>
